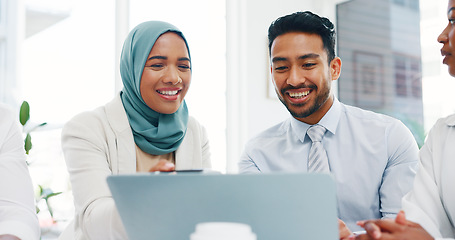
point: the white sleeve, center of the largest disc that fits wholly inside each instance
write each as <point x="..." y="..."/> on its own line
<point x="403" y="156"/>
<point x="17" y="203"/>
<point x="423" y="204"/>
<point x="86" y="152"/>
<point x="206" y="162"/>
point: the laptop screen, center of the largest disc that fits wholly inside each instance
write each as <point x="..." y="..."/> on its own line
<point x="276" y="206"/>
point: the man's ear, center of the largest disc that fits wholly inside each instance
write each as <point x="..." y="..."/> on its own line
<point x="335" y="68"/>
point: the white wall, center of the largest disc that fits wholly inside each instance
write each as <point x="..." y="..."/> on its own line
<point x="249" y="109"/>
<point x="13" y="21"/>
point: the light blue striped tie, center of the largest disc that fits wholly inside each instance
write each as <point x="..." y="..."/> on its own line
<point x="317" y="159"/>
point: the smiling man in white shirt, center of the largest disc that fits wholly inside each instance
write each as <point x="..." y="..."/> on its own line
<point x="372" y="157"/>
<point x="18" y="219"/>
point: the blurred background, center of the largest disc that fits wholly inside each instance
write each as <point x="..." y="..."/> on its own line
<point x="62" y="57"/>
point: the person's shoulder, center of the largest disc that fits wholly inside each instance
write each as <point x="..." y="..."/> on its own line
<point x="100" y="113"/>
<point x="447" y="121"/>
<point x="5" y="108"/>
<point x="8" y="121"/>
<point x="87" y="122"/>
<point x="193" y="122"/>
<point x="6" y="113"/>
<point x="275" y="131"/>
<point x="97" y="114"/>
<point x="377" y="122"/>
<point x="368" y="115"/>
<point x="444" y="124"/>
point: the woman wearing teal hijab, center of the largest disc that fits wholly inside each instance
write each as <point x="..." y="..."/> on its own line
<point x="145" y="128"/>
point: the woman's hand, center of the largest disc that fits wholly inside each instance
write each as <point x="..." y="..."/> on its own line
<point x="343" y="230"/>
<point x="8" y="237"/>
<point x="388" y="229"/>
<point x="163" y="166"/>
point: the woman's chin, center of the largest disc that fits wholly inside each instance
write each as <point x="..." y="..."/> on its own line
<point x="167" y="109"/>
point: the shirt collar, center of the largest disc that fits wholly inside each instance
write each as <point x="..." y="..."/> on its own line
<point x="450" y="121"/>
<point x="329" y="121"/>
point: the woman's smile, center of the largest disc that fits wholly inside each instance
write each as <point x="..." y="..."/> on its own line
<point x="169" y="94"/>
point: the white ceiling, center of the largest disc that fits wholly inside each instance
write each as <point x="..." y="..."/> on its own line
<point x="39" y="19"/>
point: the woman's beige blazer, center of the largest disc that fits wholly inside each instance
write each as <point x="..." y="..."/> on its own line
<point x="100" y="143"/>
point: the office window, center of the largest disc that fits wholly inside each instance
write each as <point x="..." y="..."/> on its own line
<point x="71" y="59"/>
<point x="400" y="77"/>
<point x="399" y="2"/>
<point x="408" y="81"/>
<point x="414" y="4"/>
<point x="67" y="68"/>
<point x="416" y="79"/>
<point x="411" y="4"/>
<point x="381" y="51"/>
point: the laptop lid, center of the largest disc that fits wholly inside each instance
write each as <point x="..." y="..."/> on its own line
<point x="276" y="206"/>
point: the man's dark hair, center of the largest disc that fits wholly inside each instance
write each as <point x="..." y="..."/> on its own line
<point x="306" y="22"/>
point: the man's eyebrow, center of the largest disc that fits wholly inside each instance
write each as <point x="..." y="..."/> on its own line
<point x="278" y="59"/>
<point x="452" y="8"/>
<point x="157" y="57"/>
<point x="184" y="59"/>
<point x="310" y="55"/>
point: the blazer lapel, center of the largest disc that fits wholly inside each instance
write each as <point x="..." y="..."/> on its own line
<point x="125" y="147"/>
<point x="184" y="155"/>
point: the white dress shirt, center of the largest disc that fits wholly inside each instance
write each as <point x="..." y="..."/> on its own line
<point x="431" y="203"/>
<point x="372" y="157"/>
<point x="17" y="204"/>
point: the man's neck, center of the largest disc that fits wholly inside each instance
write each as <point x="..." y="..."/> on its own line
<point x="318" y="114"/>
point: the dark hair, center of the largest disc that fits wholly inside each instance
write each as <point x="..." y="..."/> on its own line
<point x="306" y="22"/>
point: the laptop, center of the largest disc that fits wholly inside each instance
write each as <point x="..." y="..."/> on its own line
<point x="291" y="206"/>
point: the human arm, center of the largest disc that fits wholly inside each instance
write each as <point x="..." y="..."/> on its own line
<point x="388" y="229"/>
<point x="90" y="156"/>
<point x="424" y="204"/>
<point x="163" y="166"/>
<point x="17" y="204"/>
<point x="343" y="230"/>
<point x="399" y="173"/>
<point x="247" y="163"/>
<point x="430" y="201"/>
<point x="8" y="237"/>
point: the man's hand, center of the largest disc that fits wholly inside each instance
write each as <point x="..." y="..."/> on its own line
<point x="163" y="166"/>
<point x="343" y="230"/>
<point x="389" y="229"/>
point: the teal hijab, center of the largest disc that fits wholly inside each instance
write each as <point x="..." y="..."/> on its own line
<point x="155" y="133"/>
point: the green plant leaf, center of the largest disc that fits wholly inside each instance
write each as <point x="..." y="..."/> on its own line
<point x="37" y="126"/>
<point x="52" y="195"/>
<point x="40" y="190"/>
<point x="24" y="113"/>
<point x="28" y="143"/>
